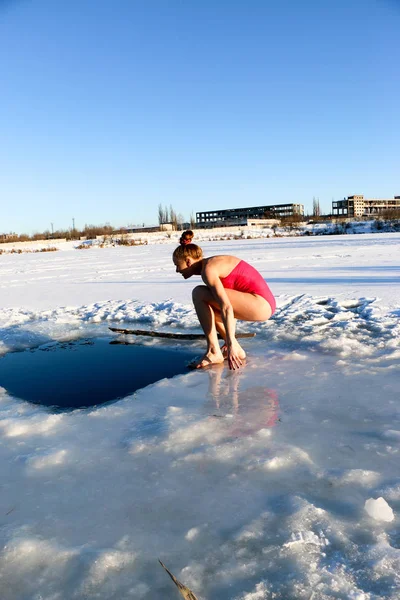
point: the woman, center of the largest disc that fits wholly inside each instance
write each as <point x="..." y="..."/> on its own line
<point x="233" y="290"/>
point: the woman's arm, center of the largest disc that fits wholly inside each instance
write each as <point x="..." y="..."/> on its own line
<point x="211" y="279"/>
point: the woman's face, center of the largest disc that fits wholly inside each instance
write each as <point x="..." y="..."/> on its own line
<point x="183" y="266"/>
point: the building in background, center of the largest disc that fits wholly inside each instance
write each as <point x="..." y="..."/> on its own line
<point x="358" y="206"/>
<point x="240" y="216"/>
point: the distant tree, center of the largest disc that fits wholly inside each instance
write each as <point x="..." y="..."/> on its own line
<point x="167" y="216"/>
<point x="160" y="215"/>
<point x="180" y="219"/>
<point x="292" y="220"/>
<point x="164" y="214"/>
<point x="173" y="218"/>
<point x="390" y="214"/>
<point x="90" y="231"/>
<point x="192" y="221"/>
<point x="316" y="207"/>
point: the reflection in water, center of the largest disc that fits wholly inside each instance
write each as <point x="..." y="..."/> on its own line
<point x="250" y="408"/>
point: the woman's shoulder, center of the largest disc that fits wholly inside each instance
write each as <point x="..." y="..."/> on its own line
<point x="222" y="264"/>
<point x="221" y="259"/>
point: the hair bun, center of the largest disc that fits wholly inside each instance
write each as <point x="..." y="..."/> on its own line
<point x="186" y="237"/>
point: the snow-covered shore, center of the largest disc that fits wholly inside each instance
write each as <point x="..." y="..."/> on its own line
<point x="248" y="485"/>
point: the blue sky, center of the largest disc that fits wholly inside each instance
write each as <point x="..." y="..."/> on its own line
<point x="110" y="107"/>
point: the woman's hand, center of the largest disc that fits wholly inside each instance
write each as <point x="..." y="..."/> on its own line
<point x="235" y="354"/>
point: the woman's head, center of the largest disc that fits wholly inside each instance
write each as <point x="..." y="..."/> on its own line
<point x="184" y="251"/>
<point x="184" y="256"/>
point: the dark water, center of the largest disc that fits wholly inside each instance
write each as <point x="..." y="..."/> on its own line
<point x="87" y="372"/>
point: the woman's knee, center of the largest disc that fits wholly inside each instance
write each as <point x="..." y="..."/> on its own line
<point x="265" y="313"/>
<point x="199" y="293"/>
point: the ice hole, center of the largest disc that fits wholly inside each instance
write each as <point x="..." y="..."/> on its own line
<point x="88" y="372"/>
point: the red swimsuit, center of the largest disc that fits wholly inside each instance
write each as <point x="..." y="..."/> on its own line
<point x="245" y="278"/>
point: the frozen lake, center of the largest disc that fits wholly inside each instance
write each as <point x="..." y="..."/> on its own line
<point x="248" y="485"/>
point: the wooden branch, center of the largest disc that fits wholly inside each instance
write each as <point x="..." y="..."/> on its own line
<point x="186" y="593"/>
<point x="172" y="336"/>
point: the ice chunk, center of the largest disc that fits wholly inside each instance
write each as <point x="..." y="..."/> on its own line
<point x="379" y="509"/>
<point x="307" y="537"/>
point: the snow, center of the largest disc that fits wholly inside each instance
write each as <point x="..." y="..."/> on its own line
<point x="247" y="485"/>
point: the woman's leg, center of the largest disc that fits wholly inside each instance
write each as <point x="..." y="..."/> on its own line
<point x="249" y="307"/>
<point x="246" y="307"/>
<point x="219" y="323"/>
<point x="222" y="332"/>
<point x="206" y="316"/>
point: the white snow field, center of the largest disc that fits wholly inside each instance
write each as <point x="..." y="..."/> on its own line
<point x="248" y="485"/>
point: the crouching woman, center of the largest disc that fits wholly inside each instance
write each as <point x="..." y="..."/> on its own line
<point x="233" y="290"/>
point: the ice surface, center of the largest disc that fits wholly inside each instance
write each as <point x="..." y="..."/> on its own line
<point x="248" y="485"/>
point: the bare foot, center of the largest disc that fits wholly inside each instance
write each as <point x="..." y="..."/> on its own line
<point x="207" y="360"/>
